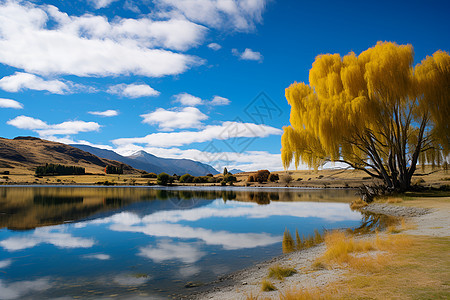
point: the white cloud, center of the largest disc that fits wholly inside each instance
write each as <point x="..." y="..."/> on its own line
<point x="44" y="129"/>
<point x="101" y="3"/>
<point x="214" y="46"/>
<point x="187" y="253"/>
<point x="239" y="15"/>
<point x="18" y="289"/>
<point x="90" y="45"/>
<point x="46" y="236"/>
<point x="8" y="103"/>
<point x="188" y="100"/>
<point x="24" y="122"/>
<point x="187" y="117"/>
<point x="98" y="256"/>
<point x="133" y="90"/>
<point x="227" y="130"/>
<point x="106" y="113"/>
<point x="217" y="100"/>
<point x="21" y="81"/>
<point x="248" y="54"/>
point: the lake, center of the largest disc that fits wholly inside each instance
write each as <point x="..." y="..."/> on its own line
<point x="132" y="242"/>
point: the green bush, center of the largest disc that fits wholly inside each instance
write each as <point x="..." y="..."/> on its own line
<point x="164" y="179"/>
<point x="186" y="178"/>
<point x="229" y="178"/>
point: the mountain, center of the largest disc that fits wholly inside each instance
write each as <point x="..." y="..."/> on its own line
<point x="235" y="171"/>
<point x="151" y="163"/>
<point x="30" y="152"/>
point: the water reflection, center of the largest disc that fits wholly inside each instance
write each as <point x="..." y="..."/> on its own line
<point x="27" y="208"/>
<point x="46" y="236"/>
<point x="96" y="242"/>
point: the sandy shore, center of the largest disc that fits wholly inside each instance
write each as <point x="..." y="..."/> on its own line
<point x="240" y="285"/>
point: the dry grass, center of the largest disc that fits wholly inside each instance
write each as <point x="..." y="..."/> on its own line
<point x="307" y="294"/>
<point x="267" y="286"/>
<point x="280" y="272"/>
<point x="407" y="268"/>
<point x="394" y="200"/>
<point x="339" y="246"/>
<point x="358" y="204"/>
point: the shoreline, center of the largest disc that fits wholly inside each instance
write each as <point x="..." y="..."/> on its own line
<point x="246" y="283"/>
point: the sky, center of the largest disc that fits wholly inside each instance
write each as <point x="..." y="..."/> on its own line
<point x="196" y="79"/>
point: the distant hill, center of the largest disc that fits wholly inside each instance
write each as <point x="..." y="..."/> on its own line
<point x="151" y="163"/>
<point x="30" y="152"/>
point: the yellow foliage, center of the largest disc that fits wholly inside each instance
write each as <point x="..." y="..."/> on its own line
<point x="362" y="109"/>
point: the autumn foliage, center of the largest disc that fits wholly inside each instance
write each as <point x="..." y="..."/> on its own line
<point x="375" y="111"/>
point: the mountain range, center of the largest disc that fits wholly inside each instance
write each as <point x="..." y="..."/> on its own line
<point x="26" y="153"/>
<point x="151" y="163"/>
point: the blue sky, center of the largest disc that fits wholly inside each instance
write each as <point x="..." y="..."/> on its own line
<point x="198" y="79"/>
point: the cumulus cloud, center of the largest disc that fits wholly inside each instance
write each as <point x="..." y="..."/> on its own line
<point x="214" y="46"/>
<point x="21" y="81"/>
<point x="248" y="54"/>
<point x="90" y="45"/>
<point x="241" y="15"/>
<point x="217" y="100"/>
<point x="187" y="117"/>
<point x="101" y="3"/>
<point x="188" y="100"/>
<point x="8" y="103"/>
<point x="133" y="90"/>
<point x="228" y="130"/>
<point x="106" y="113"/>
<point x="44" y="129"/>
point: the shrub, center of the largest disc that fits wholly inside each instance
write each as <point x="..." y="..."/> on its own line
<point x="262" y="176"/>
<point x="286" y="178"/>
<point x="288" y="242"/>
<point x="273" y="177"/>
<point x="229" y="178"/>
<point x="149" y="175"/>
<point x="164" y="179"/>
<point x="280" y="272"/>
<point x="223" y="183"/>
<point x="267" y="286"/>
<point x="250" y="178"/>
<point x="186" y="178"/>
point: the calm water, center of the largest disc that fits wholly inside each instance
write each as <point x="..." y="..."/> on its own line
<point x="94" y="242"/>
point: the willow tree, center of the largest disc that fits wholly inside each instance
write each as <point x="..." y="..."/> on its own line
<point x="375" y="111"/>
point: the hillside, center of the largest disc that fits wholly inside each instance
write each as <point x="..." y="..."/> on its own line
<point x="151" y="163"/>
<point x="28" y="152"/>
